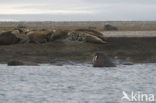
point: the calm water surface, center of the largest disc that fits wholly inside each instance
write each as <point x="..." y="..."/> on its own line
<point x="74" y="83"/>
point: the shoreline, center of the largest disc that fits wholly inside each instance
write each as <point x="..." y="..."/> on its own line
<point x="99" y="25"/>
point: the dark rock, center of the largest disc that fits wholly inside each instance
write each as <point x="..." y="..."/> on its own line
<point x="110" y="27"/>
<point x="101" y="60"/>
<point x="15" y="63"/>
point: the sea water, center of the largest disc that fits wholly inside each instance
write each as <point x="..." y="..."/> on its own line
<point x="79" y="83"/>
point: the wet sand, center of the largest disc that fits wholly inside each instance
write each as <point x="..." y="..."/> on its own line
<point x="129" y="33"/>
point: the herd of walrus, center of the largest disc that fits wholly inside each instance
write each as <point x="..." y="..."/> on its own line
<point x="20" y="35"/>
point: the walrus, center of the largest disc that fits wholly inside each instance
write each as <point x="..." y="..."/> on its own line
<point x="93" y="39"/>
<point x="93" y="32"/>
<point x="7" y="38"/>
<point x="84" y="37"/>
<point x="101" y="60"/>
<point x="76" y="36"/>
<point x="22" y="38"/>
<point x="12" y="37"/>
<point x="39" y="36"/>
<point x="58" y="34"/>
<point x="22" y="29"/>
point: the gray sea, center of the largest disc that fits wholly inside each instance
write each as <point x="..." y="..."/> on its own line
<point x="79" y="83"/>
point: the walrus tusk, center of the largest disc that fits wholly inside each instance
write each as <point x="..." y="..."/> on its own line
<point x="94" y="59"/>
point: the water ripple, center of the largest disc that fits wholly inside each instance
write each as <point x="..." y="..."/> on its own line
<point x="74" y="83"/>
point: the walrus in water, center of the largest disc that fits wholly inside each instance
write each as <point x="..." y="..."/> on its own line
<point x="101" y="60"/>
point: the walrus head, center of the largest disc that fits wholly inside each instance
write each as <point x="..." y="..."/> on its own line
<point x="101" y="60"/>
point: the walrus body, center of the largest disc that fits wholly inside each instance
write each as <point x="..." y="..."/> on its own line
<point x="84" y="37"/>
<point x="58" y="34"/>
<point x="7" y="38"/>
<point x="22" y="38"/>
<point x="93" y="33"/>
<point x="39" y="36"/>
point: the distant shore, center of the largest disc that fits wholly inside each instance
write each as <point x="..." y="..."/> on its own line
<point x="99" y="25"/>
